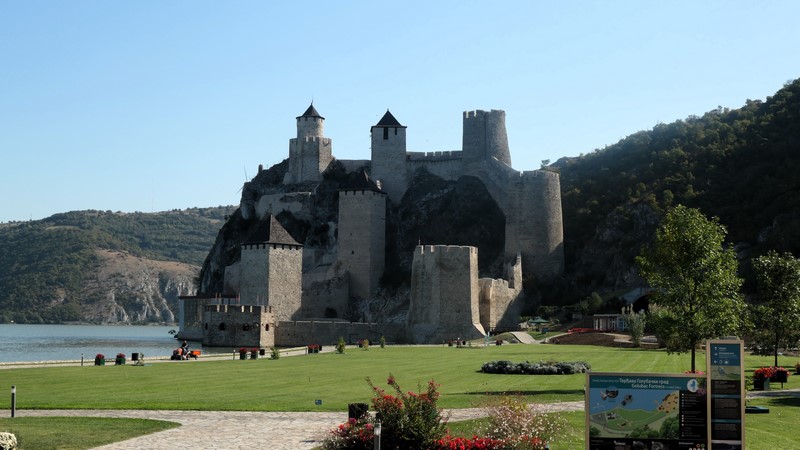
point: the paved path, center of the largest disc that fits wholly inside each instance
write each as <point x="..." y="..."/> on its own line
<point x="235" y="430"/>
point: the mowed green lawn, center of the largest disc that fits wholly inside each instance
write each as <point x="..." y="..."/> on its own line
<point x="295" y="383"/>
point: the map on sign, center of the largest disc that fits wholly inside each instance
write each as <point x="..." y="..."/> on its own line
<point x="618" y="412"/>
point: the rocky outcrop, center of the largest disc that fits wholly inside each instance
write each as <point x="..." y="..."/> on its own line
<point x="129" y="289"/>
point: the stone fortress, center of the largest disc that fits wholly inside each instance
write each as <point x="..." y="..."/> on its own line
<point x="279" y="290"/>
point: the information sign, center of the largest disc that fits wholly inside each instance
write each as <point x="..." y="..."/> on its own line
<point x="726" y="400"/>
<point x="646" y="410"/>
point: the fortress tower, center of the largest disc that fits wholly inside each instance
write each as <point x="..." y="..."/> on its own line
<point x="362" y="234"/>
<point x="444" y="294"/>
<point x="310" y="152"/>
<point x="271" y="270"/>
<point x="484" y="138"/>
<point x="389" y="156"/>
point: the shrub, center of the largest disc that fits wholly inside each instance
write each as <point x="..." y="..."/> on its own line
<point x="540" y="368"/>
<point x="365" y="344"/>
<point x="521" y="426"/>
<point x="355" y="434"/>
<point x="275" y="353"/>
<point x="340" y="345"/>
<point x="383" y="344"/>
<point x="409" y="420"/>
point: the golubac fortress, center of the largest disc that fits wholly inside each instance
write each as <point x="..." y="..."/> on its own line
<point x="281" y="293"/>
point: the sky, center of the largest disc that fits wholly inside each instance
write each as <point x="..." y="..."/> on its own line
<point x="152" y="106"/>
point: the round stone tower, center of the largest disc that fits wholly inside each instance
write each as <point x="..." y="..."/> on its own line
<point x="485" y="137"/>
<point x="310" y="153"/>
<point x="310" y="124"/>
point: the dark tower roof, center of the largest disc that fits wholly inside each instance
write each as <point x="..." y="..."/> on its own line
<point x="271" y="231"/>
<point x="362" y="182"/>
<point x="388" y="120"/>
<point x="311" y="112"/>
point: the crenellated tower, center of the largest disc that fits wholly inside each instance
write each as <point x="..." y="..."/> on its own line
<point x="389" y="156"/>
<point x="484" y="138"/>
<point x="310" y="153"/>
<point x="271" y="270"/>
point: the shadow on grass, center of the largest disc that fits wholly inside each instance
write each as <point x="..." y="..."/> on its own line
<point x="785" y="401"/>
<point x="539" y="392"/>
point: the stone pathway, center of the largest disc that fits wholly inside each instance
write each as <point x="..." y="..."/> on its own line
<point x="235" y="430"/>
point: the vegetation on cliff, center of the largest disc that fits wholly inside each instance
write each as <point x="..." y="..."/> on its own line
<point x="739" y="165"/>
<point x="47" y="266"/>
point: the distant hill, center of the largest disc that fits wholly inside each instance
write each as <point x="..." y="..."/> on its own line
<point x="103" y="266"/>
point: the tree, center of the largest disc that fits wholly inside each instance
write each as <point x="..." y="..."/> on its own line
<point x="778" y="314"/>
<point x="635" y="323"/>
<point x="694" y="279"/>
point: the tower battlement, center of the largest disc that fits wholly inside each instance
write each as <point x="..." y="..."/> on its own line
<point x="321" y="140"/>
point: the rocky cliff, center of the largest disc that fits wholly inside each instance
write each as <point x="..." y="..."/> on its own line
<point x="128" y="289"/>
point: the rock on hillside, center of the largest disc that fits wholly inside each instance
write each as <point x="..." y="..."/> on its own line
<point x="128" y="289"/>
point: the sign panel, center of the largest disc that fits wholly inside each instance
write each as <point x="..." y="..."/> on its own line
<point x="726" y="400"/>
<point x="626" y="411"/>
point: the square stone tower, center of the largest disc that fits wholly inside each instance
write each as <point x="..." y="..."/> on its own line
<point x="271" y="270"/>
<point x="389" y="156"/>
<point x="362" y="234"/>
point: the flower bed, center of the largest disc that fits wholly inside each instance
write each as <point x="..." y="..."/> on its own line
<point x="540" y="368"/>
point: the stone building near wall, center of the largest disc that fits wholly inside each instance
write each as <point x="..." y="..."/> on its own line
<point x="288" y="294"/>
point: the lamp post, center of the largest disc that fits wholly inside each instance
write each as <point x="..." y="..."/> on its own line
<point x="13" y="401"/>
<point x="378" y="435"/>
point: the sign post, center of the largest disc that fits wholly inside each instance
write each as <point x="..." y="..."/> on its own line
<point x="645" y="410"/>
<point x="726" y="394"/>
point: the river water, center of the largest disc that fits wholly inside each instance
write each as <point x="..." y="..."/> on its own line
<point x="71" y="342"/>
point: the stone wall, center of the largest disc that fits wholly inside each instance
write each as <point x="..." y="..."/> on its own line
<point x="444" y="295"/>
<point x="362" y="239"/>
<point x="446" y="165"/>
<point x="501" y="300"/>
<point x="324" y="332"/>
<point x="238" y="326"/>
<point x="296" y="203"/>
<point x="329" y="299"/>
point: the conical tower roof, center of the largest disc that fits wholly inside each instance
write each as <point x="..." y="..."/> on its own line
<point x="311" y="112"/>
<point x="270" y="231"/>
<point x="388" y="120"/>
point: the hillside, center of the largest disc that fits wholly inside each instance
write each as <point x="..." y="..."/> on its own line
<point x="740" y="165"/>
<point x="103" y="266"/>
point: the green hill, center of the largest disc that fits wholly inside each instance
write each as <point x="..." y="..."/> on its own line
<point x="47" y="266"/>
<point x="740" y="165"/>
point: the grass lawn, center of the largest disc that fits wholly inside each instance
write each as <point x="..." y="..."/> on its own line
<point x="77" y="433"/>
<point x="294" y="383"/>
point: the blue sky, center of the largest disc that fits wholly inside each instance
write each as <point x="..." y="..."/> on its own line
<point x="151" y="106"/>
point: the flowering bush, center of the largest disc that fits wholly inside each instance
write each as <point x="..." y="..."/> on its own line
<point x="409" y="420"/>
<point x="120" y="355"/>
<point x="99" y="356"/>
<point x="764" y="373"/>
<point x="476" y="443"/>
<point x="355" y="434"/>
<point x="521" y="426"/>
<point x="242" y="350"/>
